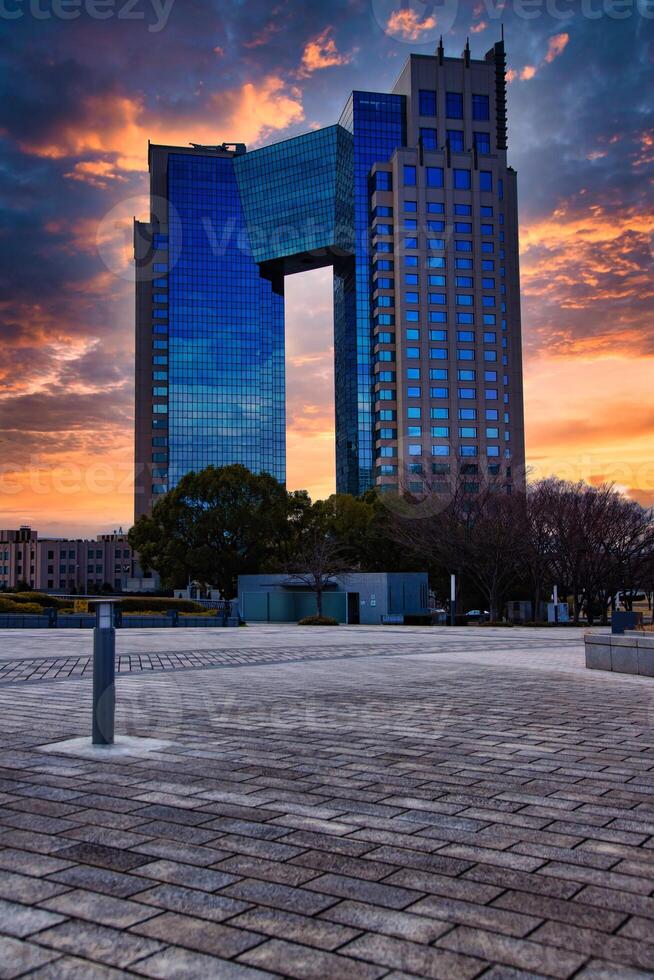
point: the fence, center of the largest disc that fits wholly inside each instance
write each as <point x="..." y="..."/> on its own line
<point x="227" y="615"/>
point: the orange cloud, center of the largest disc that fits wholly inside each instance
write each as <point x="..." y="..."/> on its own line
<point x="594" y="262"/>
<point x="408" y="25"/>
<point x="115" y="129"/>
<point x="98" y="173"/>
<point x="321" y="52"/>
<point x="478" y="28"/>
<point x="646" y="154"/>
<point x="556" y="46"/>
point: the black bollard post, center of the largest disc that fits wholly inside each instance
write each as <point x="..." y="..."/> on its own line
<point x="104" y="663"/>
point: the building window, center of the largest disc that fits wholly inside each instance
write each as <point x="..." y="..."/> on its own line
<point x="384" y="180"/>
<point x="429" y="138"/>
<point x="409" y="175"/>
<point x="462" y="179"/>
<point x="454" y="105"/>
<point x="480" y="107"/>
<point x="485" y="180"/>
<point x="482" y="142"/>
<point x="427" y="102"/>
<point x="434" y="176"/>
<point x="455" y="137"/>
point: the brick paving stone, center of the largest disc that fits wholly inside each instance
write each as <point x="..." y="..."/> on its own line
<point x="636" y="928"/>
<point x="190" y="901"/>
<point x="444" y="885"/>
<point x="21" y="888"/>
<point x="343" y="864"/>
<point x="189" y="875"/>
<point x="303" y="840"/>
<point x="402" y="857"/>
<point x="73" y="968"/>
<point x="173" y="850"/>
<point x="572" y="912"/>
<point x="253" y="867"/>
<point x="388" y="896"/>
<point x="293" y="960"/>
<point x="111" y="858"/>
<point x="94" y="879"/>
<point x="413" y="958"/>
<point x="390" y="922"/>
<point x="178" y="832"/>
<point x="273" y="850"/>
<point x="593" y="876"/>
<point x="200" y="935"/>
<point x="28" y="863"/>
<point x="23" y="920"/>
<point x="603" y="970"/>
<point x="279" y="896"/>
<point x="95" y="942"/>
<point x="18" y="958"/>
<point x="108" y="911"/>
<point x="481" y="916"/>
<point x="618" y="949"/>
<point x="298" y="928"/>
<point x="175" y="963"/>
<point x="510" y="878"/>
<point x="521" y="953"/>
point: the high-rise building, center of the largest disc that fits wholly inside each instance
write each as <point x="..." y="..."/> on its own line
<point x="411" y="200"/>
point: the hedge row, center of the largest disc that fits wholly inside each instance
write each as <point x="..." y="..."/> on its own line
<point x="157" y="604"/>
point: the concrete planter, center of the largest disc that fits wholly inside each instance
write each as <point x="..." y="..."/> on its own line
<point x="632" y="653"/>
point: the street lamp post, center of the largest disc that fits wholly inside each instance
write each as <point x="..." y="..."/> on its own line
<point x="104" y="666"/>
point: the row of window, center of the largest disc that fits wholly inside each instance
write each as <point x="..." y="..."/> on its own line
<point x="437" y="432"/>
<point x="464" y="394"/>
<point x="455" y="140"/>
<point x="436" y="207"/>
<point x="427" y="104"/>
<point x="381" y="264"/>
<point x="434" y="178"/>
<point x="435" y="299"/>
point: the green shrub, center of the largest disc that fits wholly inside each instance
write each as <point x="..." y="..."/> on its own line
<point x="22" y="608"/>
<point x="318" y="621"/>
<point x="52" y="601"/>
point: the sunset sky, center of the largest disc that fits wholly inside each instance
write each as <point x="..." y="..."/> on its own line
<point x="82" y="98"/>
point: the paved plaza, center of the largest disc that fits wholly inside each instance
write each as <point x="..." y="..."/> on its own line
<point x="356" y="802"/>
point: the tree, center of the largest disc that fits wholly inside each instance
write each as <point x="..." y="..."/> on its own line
<point x="216" y="525"/>
<point x="319" y="553"/>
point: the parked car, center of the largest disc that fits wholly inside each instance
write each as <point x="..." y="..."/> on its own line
<point x="478" y="614"/>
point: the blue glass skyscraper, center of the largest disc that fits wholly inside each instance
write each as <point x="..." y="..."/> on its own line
<point x="410" y="199"/>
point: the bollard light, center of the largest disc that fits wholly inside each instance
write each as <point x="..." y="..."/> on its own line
<point x="104" y="666"/>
